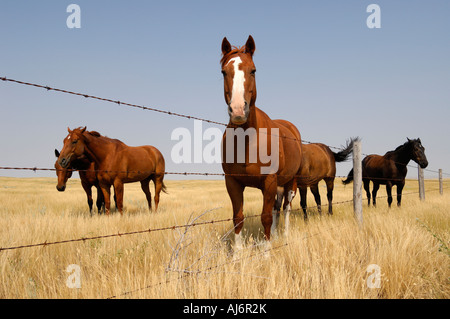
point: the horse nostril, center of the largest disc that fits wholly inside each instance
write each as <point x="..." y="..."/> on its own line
<point x="230" y="110"/>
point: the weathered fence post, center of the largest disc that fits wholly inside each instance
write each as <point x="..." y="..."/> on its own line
<point x="357" y="182"/>
<point x="441" y="187"/>
<point x="421" y="184"/>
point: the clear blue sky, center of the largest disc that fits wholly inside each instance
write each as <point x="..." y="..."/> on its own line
<point x="318" y="63"/>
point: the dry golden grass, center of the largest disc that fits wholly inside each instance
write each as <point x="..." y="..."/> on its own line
<point x="326" y="258"/>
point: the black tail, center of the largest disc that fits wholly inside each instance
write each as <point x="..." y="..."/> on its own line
<point x="164" y="188"/>
<point x="345" y="153"/>
<point x="349" y="178"/>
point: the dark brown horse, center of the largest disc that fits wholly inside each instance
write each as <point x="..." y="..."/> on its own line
<point x="250" y="136"/>
<point x="88" y="177"/>
<point x="319" y="163"/>
<point x="390" y="169"/>
<point x="116" y="163"/>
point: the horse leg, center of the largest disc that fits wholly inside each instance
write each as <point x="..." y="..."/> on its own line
<point x="100" y="201"/>
<point x="118" y="191"/>
<point x="158" y="181"/>
<point x="376" y="186"/>
<point x="400" y="186"/>
<point x="236" y="193"/>
<point x="303" y="191"/>
<point x="330" y="186"/>
<point x="88" y="191"/>
<point x="389" y="193"/>
<point x="289" y="193"/>
<point x="279" y="201"/>
<point x="315" y="191"/>
<point x="367" y="189"/>
<point x="106" y="190"/>
<point x="269" y="194"/>
<point x="276" y="210"/>
<point x="145" y="185"/>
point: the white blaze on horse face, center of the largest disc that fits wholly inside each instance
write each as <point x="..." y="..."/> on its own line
<point x="237" y="102"/>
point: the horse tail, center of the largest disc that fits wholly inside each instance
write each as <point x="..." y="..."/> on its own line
<point x="164" y="188"/>
<point x="349" y="178"/>
<point x="345" y="153"/>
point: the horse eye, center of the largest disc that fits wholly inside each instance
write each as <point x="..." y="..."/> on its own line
<point x="74" y="141"/>
<point x="253" y="72"/>
<point x="224" y="73"/>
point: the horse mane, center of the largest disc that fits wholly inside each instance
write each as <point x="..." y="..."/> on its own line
<point x="97" y="134"/>
<point x="94" y="133"/>
<point x="406" y="144"/>
<point x="234" y="50"/>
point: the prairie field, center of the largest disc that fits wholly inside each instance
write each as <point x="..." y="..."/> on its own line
<point x="397" y="253"/>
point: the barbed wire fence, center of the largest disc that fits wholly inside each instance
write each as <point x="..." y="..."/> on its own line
<point x="153" y="109"/>
<point x="186" y="226"/>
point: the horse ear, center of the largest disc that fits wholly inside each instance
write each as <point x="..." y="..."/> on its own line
<point x="83" y="129"/>
<point x="56" y="153"/>
<point x="68" y="130"/>
<point x="250" y="45"/>
<point x="408" y="139"/>
<point x="418" y="140"/>
<point x="226" y="46"/>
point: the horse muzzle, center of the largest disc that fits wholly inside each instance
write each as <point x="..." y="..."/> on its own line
<point x="60" y="188"/>
<point x="239" y="115"/>
<point x="423" y="164"/>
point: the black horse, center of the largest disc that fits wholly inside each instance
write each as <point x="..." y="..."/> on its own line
<point x="390" y="169"/>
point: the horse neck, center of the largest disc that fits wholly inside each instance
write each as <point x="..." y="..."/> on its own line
<point x="402" y="155"/>
<point x="96" y="148"/>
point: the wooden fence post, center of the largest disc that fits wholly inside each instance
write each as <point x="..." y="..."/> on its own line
<point x="421" y="184"/>
<point x="357" y="182"/>
<point x="441" y="187"/>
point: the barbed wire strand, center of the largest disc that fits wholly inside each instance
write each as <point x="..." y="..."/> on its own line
<point x="119" y="234"/>
<point x="309" y="178"/>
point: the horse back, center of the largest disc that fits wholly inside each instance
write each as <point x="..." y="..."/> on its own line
<point x="145" y="157"/>
<point x="289" y="126"/>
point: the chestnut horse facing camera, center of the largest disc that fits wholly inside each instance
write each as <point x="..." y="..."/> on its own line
<point x="116" y="163"/>
<point x="238" y="72"/>
<point x="390" y="169"/>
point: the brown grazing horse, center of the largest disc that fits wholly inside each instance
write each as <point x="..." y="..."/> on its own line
<point x="88" y="177"/>
<point x="390" y="169"/>
<point x="256" y="133"/>
<point x="116" y="163"/>
<point x="319" y="163"/>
